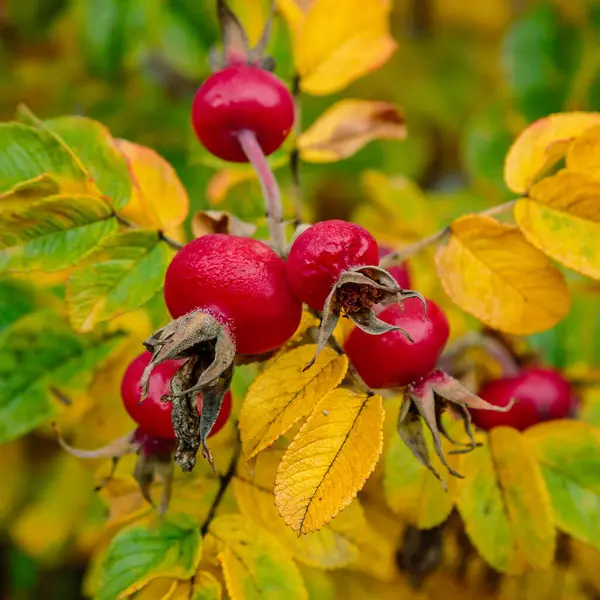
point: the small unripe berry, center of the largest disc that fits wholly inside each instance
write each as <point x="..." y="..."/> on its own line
<point x="390" y="359"/>
<point x="239" y="281"/>
<point x="541" y="395"/>
<point x="322" y="253"/>
<point x="242" y="97"/>
<point x="152" y="415"/>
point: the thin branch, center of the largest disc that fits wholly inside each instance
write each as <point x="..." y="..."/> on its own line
<point x="270" y="189"/>
<point x="161" y="234"/>
<point x="224" y="481"/>
<point x="399" y="256"/>
<point x="295" y="153"/>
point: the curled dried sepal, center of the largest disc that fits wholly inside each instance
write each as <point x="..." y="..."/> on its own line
<point x="235" y="44"/>
<point x="354" y="295"/>
<point x="426" y="399"/>
<point x="205" y="222"/>
<point x="154" y="461"/>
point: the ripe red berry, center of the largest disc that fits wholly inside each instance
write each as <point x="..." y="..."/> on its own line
<point x="399" y="272"/>
<point x="242" y="97"/>
<point x="239" y="281"/>
<point x="152" y="415"/>
<point x="390" y="360"/>
<point x="541" y="394"/>
<point x="322" y="252"/>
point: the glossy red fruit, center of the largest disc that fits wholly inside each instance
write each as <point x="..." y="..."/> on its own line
<point x="400" y="272"/>
<point x="322" y="252"/>
<point x="542" y="394"/>
<point x="152" y="415"/>
<point x="240" y="281"/>
<point x="242" y="97"/>
<point x="390" y="360"/>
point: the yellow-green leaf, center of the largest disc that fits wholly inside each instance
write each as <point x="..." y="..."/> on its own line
<point x="504" y="503"/>
<point x="347" y="126"/>
<point x="53" y="233"/>
<point x="283" y="394"/>
<point x="525" y="496"/>
<point x="255" y="565"/>
<point x="568" y="453"/>
<point x="584" y="152"/>
<point x="491" y="271"/>
<point x="561" y="217"/>
<point x="94" y="146"/>
<point x="330" y="459"/>
<point x="158" y="198"/>
<point x="542" y="145"/>
<point x="126" y="271"/>
<point x="167" y="546"/>
<point x="204" y="586"/>
<point x="27" y="153"/>
<point x="481" y="506"/>
<point x="341" y="40"/>
<point x="411" y="490"/>
<point x="324" y="549"/>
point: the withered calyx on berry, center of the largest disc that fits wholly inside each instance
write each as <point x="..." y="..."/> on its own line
<point x="333" y="267"/>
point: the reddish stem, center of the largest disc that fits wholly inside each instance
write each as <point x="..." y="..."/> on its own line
<point x="269" y="187"/>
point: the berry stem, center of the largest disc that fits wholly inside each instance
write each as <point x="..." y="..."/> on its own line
<point x="270" y="189"/>
<point x="399" y="256"/>
<point x="224" y="481"/>
<point x="295" y="153"/>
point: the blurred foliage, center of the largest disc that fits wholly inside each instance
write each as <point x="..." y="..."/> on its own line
<point x="469" y="77"/>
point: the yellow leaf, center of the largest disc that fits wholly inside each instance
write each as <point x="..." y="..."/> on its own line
<point x="340" y="41"/>
<point x="161" y="588"/>
<point x="330" y="459"/>
<point x="253" y="491"/>
<point x="347" y="126"/>
<point x="158" y="199"/>
<point x="505" y="505"/>
<point x="542" y="145"/>
<point x="255" y="565"/>
<point x="492" y="272"/>
<point x="561" y="217"/>
<point x="584" y="152"/>
<point x="204" y="586"/>
<point x="283" y="394"/>
<point x="294" y="11"/>
<point x="525" y="495"/>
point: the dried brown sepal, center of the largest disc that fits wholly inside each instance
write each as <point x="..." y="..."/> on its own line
<point x="147" y="469"/>
<point x="410" y="430"/>
<point x="425" y="399"/>
<point x="205" y="222"/>
<point x="235" y="44"/>
<point x="199" y="334"/>
<point x="116" y="449"/>
<point x="354" y="295"/>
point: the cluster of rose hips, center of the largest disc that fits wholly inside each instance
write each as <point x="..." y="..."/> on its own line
<point x="234" y="298"/>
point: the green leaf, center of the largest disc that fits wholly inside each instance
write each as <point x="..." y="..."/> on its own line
<point x="124" y="272"/>
<point x="17" y="298"/>
<point x="169" y="546"/>
<point x="104" y="40"/>
<point x="53" y="233"/>
<point x="569" y="456"/>
<point x="205" y="587"/>
<point x="540" y="54"/>
<point x="38" y="352"/>
<point x="93" y="144"/>
<point x="27" y="153"/>
<point x="255" y="565"/>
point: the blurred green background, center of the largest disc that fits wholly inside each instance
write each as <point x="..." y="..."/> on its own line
<point x="469" y="76"/>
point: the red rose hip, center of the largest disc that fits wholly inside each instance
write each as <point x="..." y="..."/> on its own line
<point x="541" y="395"/>
<point x="152" y="415"/>
<point x="239" y="281"/>
<point x="242" y="97"/>
<point x="390" y="359"/>
<point x="322" y="253"/>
